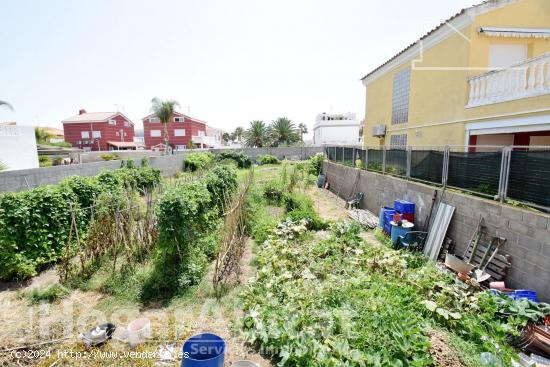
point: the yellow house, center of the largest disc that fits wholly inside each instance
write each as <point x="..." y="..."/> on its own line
<point x="480" y="78"/>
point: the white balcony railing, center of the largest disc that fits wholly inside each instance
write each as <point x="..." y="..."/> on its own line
<point x="527" y="79"/>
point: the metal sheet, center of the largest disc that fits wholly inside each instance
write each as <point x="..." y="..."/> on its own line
<point x="438" y="231"/>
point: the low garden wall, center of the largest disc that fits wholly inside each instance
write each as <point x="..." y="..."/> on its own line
<point x="527" y="232"/>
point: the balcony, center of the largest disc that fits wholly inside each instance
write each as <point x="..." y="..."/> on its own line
<point x="528" y="79"/>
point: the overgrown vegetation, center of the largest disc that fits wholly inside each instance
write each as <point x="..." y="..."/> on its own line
<point x="109" y="156"/>
<point x="240" y="159"/>
<point x="267" y="159"/>
<point x="341" y="302"/>
<point x="198" y="161"/>
<point x="35" y="225"/>
<point x="45" y="161"/>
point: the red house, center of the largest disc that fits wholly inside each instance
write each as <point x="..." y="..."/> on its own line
<point x="99" y="131"/>
<point x="181" y="130"/>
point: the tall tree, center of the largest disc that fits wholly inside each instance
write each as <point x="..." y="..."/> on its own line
<point x="238" y="133"/>
<point x="164" y="111"/>
<point x="226" y="137"/>
<point x="4" y="103"/>
<point x="283" y="131"/>
<point x="256" y="135"/>
<point x="303" y="130"/>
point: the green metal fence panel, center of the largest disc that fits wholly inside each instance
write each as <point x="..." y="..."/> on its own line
<point x="475" y="171"/>
<point x="427" y="165"/>
<point x="529" y="178"/>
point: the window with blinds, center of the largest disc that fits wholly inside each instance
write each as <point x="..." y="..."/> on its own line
<point x="398" y="141"/>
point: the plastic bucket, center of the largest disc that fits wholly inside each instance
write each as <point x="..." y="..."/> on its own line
<point x="203" y="350"/>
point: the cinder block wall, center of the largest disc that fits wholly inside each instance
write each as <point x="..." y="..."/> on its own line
<point x="168" y="165"/>
<point x="527" y="232"/>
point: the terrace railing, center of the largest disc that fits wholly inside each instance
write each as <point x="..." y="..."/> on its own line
<point x="519" y="173"/>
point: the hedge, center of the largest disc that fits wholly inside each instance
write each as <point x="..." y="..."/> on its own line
<point x="239" y="158"/>
<point x="35" y="224"/>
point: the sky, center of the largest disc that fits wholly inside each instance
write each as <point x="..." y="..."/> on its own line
<point x="226" y="62"/>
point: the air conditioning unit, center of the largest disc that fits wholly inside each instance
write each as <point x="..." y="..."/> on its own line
<point x="379" y="130"/>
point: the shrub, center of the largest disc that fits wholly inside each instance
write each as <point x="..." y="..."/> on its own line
<point x="48" y="294"/>
<point x="267" y="159"/>
<point x="86" y="190"/>
<point x="109" y="156"/>
<point x="198" y="161"/>
<point x="273" y="192"/>
<point x="34" y="227"/>
<point x="239" y="158"/>
<point x="299" y="206"/>
<point x="316" y="164"/>
<point x="44" y="161"/>
<point x="221" y="182"/>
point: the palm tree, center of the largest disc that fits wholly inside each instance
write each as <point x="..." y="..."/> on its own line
<point x="283" y="131"/>
<point x="164" y="111"/>
<point x="3" y="103"/>
<point x="303" y="130"/>
<point x="256" y="135"/>
<point x="41" y="135"/>
<point x="238" y="133"/>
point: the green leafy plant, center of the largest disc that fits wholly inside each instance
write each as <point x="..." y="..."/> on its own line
<point x="109" y="156"/>
<point x="198" y="161"/>
<point x="50" y="293"/>
<point x="239" y="158"/>
<point x="316" y="164"/>
<point x="45" y="161"/>
<point x="267" y="159"/>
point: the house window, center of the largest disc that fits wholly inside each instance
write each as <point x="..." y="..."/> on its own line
<point x="179" y="119"/>
<point x="154" y="119"/>
<point x="398" y="141"/>
<point x="155" y="133"/>
<point x="84" y="134"/>
<point x="400" y="97"/>
<point x="112" y="122"/>
<point x="127" y="123"/>
<point x="96" y="134"/>
<point x="503" y="55"/>
<point x="179" y="132"/>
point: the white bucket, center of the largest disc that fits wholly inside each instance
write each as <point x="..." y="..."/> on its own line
<point x="139" y="330"/>
<point x="244" y="364"/>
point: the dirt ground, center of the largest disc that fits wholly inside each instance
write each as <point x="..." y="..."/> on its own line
<point x="441" y="351"/>
<point x="27" y="325"/>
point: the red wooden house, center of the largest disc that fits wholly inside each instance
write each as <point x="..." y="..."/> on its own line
<point x="99" y="131"/>
<point x="181" y="130"/>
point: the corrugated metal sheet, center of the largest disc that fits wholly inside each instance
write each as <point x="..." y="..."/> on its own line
<point x="438" y="230"/>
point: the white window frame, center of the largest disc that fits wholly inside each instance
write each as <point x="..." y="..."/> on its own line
<point x="154" y="120"/>
<point x="155" y="133"/>
<point x="127" y="123"/>
<point x="85" y="134"/>
<point x="96" y="134"/>
<point x="112" y="122"/>
<point x="179" y="132"/>
<point x="398" y="141"/>
<point x="179" y="119"/>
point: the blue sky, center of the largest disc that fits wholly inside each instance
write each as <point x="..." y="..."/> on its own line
<point x="226" y="61"/>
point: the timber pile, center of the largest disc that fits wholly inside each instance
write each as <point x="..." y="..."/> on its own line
<point x="497" y="267"/>
<point x="364" y="217"/>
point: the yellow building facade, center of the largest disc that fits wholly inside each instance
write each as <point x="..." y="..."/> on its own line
<point x="480" y="78"/>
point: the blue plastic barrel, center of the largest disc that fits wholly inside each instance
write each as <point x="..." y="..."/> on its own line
<point x="203" y="350"/>
<point x="397" y="231"/>
<point x="382" y="215"/>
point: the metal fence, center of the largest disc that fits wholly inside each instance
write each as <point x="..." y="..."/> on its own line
<point x="520" y="173"/>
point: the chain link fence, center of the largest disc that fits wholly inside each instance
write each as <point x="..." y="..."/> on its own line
<point x="517" y="173"/>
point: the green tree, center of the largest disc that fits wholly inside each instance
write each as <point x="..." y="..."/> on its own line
<point x="41" y="135"/>
<point x="164" y="110"/>
<point x="303" y="130"/>
<point x="283" y="131"/>
<point x="238" y="133"/>
<point x="226" y="137"/>
<point x="3" y="166"/>
<point x="256" y="135"/>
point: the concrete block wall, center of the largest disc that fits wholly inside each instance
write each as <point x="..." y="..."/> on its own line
<point x="527" y="232"/>
<point x="168" y="165"/>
